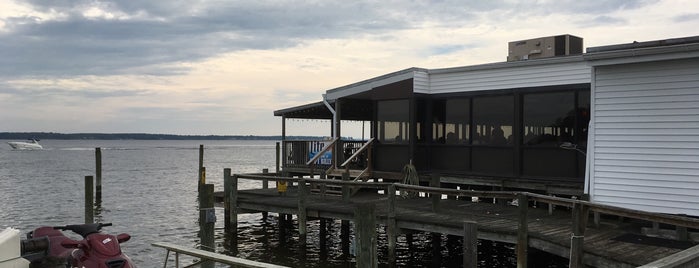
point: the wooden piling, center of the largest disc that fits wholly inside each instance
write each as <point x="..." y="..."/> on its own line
<point x="578" y="235"/>
<point x="302" y="217"/>
<point x="207" y="219"/>
<point x="89" y="201"/>
<point x="436" y="249"/>
<point x="522" y="231"/>
<point x="98" y="174"/>
<point x="201" y="163"/>
<point x="391" y="230"/>
<point x="265" y="185"/>
<point x="277" y="159"/>
<point x="230" y="201"/>
<point x="365" y="229"/>
<point x="470" y="244"/>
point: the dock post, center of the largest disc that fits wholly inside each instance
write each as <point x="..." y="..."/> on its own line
<point x="578" y="235"/>
<point x="391" y="231"/>
<point x="365" y="225"/>
<point x="201" y="164"/>
<point x="344" y="224"/>
<point x="98" y="174"/>
<point x="207" y="219"/>
<point x="470" y="246"/>
<point x="230" y="200"/>
<point x="436" y="249"/>
<point x="265" y="185"/>
<point x="522" y="231"/>
<point x="302" y="212"/>
<point x="434" y="182"/>
<point x="89" y="205"/>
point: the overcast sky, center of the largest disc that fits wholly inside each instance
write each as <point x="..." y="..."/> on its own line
<point x="223" y="67"/>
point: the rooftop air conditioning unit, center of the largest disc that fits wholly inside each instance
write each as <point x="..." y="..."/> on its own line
<point x="545" y="47"/>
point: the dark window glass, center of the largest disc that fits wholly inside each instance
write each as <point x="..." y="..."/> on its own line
<point x="451" y="121"/>
<point x="457" y="125"/>
<point x="393" y="121"/>
<point x="493" y="119"/>
<point x="583" y="116"/>
<point x="549" y="118"/>
<point x="438" y="121"/>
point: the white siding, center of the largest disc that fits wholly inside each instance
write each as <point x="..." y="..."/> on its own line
<point x="507" y="77"/>
<point x="421" y="82"/>
<point x="646" y="143"/>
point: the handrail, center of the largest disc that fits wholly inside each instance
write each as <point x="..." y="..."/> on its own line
<point x="212" y="256"/>
<point x="321" y="152"/>
<point x="361" y="149"/>
<point x="675" y="220"/>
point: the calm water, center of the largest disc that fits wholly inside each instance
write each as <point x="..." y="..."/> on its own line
<point x="149" y="191"/>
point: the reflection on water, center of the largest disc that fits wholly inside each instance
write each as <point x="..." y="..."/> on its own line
<point x="149" y="190"/>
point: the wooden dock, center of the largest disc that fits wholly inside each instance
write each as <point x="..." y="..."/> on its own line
<point x="569" y="231"/>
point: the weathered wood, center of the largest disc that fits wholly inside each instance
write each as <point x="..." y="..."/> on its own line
<point x="578" y="236"/>
<point x="302" y="216"/>
<point x="522" y="231"/>
<point x="436" y="249"/>
<point x="682" y="233"/>
<point x="470" y="244"/>
<point x="278" y="154"/>
<point x="391" y="230"/>
<point x="434" y="183"/>
<point x="684" y="259"/>
<point x="206" y="221"/>
<point x="89" y="201"/>
<point x="219" y="258"/>
<point x="344" y="237"/>
<point x="265" y="185"/>
<point x="345" y="188"/>
<point x="201" y="164"/>
<point x="365" y="230"/>
<point x="230" y="201"/>
<point x="98" y="174"/>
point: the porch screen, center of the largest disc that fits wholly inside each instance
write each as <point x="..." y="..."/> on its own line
<point x="393" y="121"/>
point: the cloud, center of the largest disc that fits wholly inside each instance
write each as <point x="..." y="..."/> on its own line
<point x="127" y="37"/>
<point x="686" y="17"/>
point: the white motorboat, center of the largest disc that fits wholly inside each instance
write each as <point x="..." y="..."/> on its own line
<point x="32" y="144"/>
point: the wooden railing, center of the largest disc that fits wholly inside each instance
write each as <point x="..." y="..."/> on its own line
<point x="207" y="256"/>
<point x="579" y="208"/>
<point x="365" y="153"/>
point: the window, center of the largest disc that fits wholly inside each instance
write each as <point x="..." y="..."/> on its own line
<point x="549" y="118"/>
<point x="393" y="121"/>
<point x="493" y="119"/>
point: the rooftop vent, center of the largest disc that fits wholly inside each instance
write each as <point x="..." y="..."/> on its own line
<point x="545" y="47"/>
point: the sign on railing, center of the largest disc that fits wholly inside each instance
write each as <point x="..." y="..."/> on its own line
<point x="316" y="146"/>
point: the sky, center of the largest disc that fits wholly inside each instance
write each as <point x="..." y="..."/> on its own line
<point x="197" y="67"/>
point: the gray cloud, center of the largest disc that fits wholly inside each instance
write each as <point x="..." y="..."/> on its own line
<point x="686" y="17"/>
<point x="159" y="33"/>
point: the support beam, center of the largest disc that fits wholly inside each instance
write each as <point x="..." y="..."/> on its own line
<point x="365" y="226"/>
<point x="470" y="244"/>
<point x="522" y="231"/>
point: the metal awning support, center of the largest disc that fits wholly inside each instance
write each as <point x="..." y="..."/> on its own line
<point x="330" y="108"/>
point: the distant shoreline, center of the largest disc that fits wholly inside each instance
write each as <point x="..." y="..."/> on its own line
<point x="137" y="136"/>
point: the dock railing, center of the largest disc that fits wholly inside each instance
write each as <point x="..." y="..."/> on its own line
<point x="320" y="154"/>
<point x="207" y="256"/>
<point x="580" y="208"/>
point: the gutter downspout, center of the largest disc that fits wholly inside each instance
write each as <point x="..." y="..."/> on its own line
<point x="330" y="108"/>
